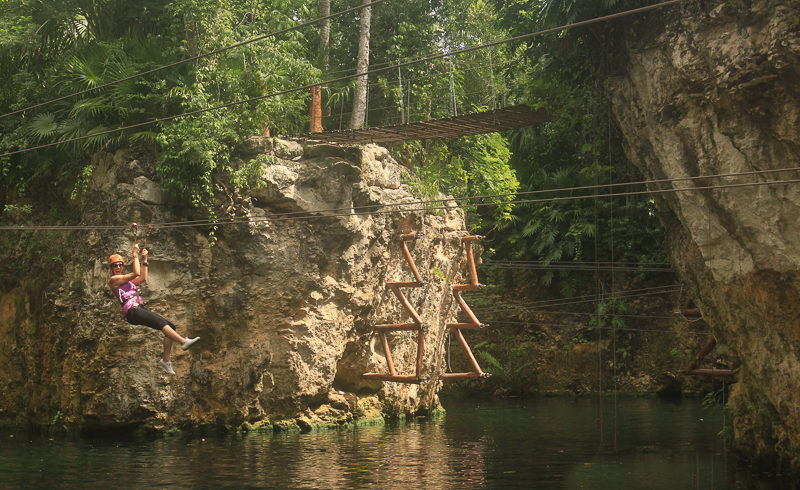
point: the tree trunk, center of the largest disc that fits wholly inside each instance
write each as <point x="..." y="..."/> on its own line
<point x="325" y="34"/>
<point x="360" y="100"/>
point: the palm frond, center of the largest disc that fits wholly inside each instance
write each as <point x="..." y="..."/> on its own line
<point x="143" y="137"/>
<point x="85" y="71"/>
<point x="43" y="126"/>
<point x="71" y="128"/>
<point x="96" y="141"/>
<point x="92" y="107"/>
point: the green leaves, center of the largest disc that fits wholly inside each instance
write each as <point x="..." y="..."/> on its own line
<point x="465" y="167"/>
<point x="578" y="147"/>
<point x="195" y="151"/>
<point x="43" y="126"/>
<point x="74" y="45"/>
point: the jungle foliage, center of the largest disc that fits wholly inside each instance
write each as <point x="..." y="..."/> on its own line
<point x="56" y="48"/>
<point x="580" y="146"/>
<point x="53" y="48"/>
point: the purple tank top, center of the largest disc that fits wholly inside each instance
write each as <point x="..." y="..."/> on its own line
<point x="128" y="295"/>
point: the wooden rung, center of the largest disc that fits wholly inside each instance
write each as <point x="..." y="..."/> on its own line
<point x="410" y="260"/>
<point x="398" y="326"/>
<point x="396" y="378"/>
<point x="474" y="323"/>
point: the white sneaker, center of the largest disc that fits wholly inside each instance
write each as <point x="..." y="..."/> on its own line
<point x="188" y="343"/>
<point x="166" y="366"/>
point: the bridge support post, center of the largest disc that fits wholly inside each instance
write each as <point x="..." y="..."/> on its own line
<point x="315" y="111"/>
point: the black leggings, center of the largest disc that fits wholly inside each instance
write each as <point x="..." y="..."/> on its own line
<point x="142" y="316"/>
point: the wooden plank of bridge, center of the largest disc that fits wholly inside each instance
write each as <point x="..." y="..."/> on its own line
<point x="468" y="124"/>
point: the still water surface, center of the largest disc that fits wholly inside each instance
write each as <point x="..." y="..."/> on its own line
<point x="536" y="443"/>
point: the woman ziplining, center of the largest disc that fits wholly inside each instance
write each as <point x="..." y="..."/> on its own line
<point x="126" y="290"/>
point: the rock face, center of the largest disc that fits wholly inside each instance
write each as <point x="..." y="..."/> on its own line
<point x="707" y="89"/>
<point x="283" y="297"/>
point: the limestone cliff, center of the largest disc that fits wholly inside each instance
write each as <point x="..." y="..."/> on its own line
<point x="284" y="305"/>
<point x="712" y="88"/>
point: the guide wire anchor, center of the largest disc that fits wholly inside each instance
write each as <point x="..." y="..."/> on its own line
<point x="474" y="323"/>
<point x="415" y="325"/>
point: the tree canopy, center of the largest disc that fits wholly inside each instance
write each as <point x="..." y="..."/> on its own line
<point x="50" y="49"/>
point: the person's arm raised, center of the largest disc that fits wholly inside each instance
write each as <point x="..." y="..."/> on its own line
<point x="143" y="268"/>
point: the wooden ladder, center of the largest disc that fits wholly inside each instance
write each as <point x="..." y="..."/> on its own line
<point x="414" y="325"/>
<point x="473" y="323"/>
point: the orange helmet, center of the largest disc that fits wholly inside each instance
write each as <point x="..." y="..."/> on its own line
<point x="115" y="258"/>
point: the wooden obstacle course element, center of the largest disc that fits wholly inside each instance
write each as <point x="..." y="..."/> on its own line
<point x="694" y="371"/>
<point x="315" y="110"/>
<point x="474" y="323"/>
<point x="489" y="121"/>
<point x="690" y="310"/>
<point x="415" y="325"/>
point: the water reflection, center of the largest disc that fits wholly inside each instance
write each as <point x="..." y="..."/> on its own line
<point x="545" y="443"/>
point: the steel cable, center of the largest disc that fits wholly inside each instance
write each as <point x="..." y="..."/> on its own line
<point x="348" y="212"/>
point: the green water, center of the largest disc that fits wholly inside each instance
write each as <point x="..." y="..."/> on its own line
<point x="637" y="443"/>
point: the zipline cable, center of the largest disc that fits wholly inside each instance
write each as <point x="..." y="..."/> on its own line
<point x="631" y="293"/>
<point x="578" y="263"/>
<point x="618" y="329"/>
<point x="577" y="267"/>
<point x="351" y="211"/>
<point x="484" y="196"/>
<point x="534" y="308"/>
<point x="581" y="262"/>
<point x="491" y="196"/>
<point x="195" y="58"/>
<point x="454" y="208"/>
<point x="574" y="313"/>
<point x="356" y="75"/>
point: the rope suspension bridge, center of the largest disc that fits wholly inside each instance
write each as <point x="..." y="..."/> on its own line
<point x="455" y="126"/>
